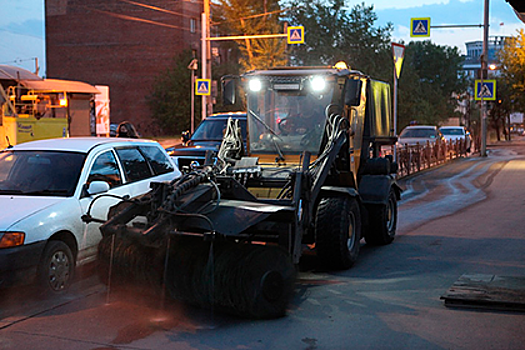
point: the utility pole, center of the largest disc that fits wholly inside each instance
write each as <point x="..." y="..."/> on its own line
<point x="205" y="53"/>
<point x="483" y="106"/>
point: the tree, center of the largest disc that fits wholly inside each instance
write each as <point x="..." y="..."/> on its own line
<point x="513" y="69"/>
<point x="248" y="17"/>
<point x="335" y="33"/>
<point x="170" y="98"/>
<point x="431" y="75"/>
<point x="500" y="109"/>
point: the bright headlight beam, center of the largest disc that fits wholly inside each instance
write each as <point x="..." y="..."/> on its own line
<point x="318" y="83"/>
<point x="255" y="85"/>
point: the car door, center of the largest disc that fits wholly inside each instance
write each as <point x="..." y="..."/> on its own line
<point x="103" y="166"/>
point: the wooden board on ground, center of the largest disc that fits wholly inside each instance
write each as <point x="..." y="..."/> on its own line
<point x="487" y="292"/>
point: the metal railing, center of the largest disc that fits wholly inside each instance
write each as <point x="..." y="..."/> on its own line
<point x="414" y="158"/>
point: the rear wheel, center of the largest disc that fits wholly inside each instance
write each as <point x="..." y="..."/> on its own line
<point x="382" y="221"/>
<point x="338" y="232"/>
<point x="56" y="268"/>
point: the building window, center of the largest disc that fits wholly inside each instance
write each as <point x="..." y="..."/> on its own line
<point x="193" y="25"/>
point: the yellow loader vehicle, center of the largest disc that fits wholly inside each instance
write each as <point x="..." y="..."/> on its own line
<point x="228" y="235"/>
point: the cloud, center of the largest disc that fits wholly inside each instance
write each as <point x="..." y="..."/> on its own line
<point x="33" y="28"/>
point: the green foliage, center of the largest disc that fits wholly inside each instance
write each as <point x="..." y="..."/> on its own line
<point x="248" y="17"/>
<point x="170" y="97"/>
<point x="430" y="76"/>
<point x="513" y="69"/>
<point x="335" y="33"/>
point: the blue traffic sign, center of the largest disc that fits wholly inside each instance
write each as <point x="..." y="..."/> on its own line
<point x="296" y="35"/>
<point x="202" y="86"/>
<point x="487" y="91"/>
<point x="420" y="27"/>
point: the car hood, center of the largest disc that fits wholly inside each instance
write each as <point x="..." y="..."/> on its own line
<point x="17" y="208"/>
<point x="195" y="148"/>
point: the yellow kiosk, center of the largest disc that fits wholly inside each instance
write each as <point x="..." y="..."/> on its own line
<point x="36" y="108"/>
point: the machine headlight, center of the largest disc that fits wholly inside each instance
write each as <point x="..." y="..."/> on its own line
<point x="255" y="85"/>
<point x="318" y="83"/>
<point x="11" y="239"/>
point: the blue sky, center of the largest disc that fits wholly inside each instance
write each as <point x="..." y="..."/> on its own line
<point x="22" y="24"/>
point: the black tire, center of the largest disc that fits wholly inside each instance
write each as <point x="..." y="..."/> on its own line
<point x="382" y="221"/>
<point x="337" y="232"/>
<point x="56" y="269"/>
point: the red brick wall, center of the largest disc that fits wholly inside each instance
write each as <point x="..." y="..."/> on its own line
<point x="102" y="42"/>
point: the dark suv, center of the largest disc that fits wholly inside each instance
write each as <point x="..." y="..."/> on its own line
<point x="207" y="136"/>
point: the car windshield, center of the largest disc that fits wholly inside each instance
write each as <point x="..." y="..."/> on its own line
<point x="39" y="173"/>
<point x="287" y="121"/>
<point x="213" y="130"/>
<point x="418" y="133"/>
<point x="453" y="132"/>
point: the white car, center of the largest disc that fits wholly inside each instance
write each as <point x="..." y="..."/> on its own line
<point x="420" y="134"/>
<point x="45" y="188"/>
<point x="457" y="132"/>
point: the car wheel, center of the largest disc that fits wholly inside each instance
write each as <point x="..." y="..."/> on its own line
<point x="337" y="232"/>
<point x="56" y="268"/>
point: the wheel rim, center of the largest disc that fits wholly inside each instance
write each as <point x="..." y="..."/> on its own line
<point x="390" y="216"/>
<point x="59" y="271"/>
<point x="351" y="232"/>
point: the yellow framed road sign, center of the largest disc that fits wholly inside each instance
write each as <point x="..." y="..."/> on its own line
<point x="202" y="87"/>
<point x="487" y="91"/>
<point x="295" y="35"/>
<point x="420" y="27"/>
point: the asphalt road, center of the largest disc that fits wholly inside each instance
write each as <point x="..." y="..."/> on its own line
<point x="462" y="218"/>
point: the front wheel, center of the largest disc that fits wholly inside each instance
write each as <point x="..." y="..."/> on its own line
<point x="383" y="221"/>
<point x="338" y="232"/>
<point x="56" y="269"/>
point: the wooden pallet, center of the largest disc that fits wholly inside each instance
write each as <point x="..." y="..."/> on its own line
<point x="487" y="292"/>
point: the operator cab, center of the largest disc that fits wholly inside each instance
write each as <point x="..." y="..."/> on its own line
<point x="288" y="109"/>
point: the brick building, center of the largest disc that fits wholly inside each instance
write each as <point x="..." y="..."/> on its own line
<point x="124" y="44"/>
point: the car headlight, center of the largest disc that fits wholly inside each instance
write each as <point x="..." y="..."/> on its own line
<point x="11" y="239"/>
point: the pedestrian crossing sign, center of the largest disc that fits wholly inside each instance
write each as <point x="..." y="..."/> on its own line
<point x="487" y="91"/>
<point x="202" y="86"/>
<point x="420" y="27"/>
<point x="296" y="35"/>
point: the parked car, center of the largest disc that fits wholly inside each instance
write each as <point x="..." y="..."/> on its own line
<point x="413" y="135"/>
<point x="207" y="136"/>
<point x="457" y="133"/>
<point x="47" y="186"/>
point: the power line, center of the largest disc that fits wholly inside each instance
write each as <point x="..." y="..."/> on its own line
<point x="252" y="16"/>
<point x="131" y="18"/>
<point x="155" y="8"/>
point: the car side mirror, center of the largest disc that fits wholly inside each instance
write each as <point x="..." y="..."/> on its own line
<point x="353" y="92"/>
<point x="96" y="187"/>
<point x="229" y="89"/>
